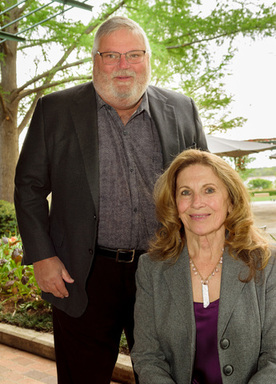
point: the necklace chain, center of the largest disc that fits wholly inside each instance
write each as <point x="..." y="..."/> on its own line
<point x="196" y="271"/>
<point x="205" y="282"/>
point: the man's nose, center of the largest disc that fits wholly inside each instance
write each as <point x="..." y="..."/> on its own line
<point x="123" y="63"/>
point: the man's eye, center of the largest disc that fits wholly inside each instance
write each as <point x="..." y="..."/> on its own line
<point x="111" y="55"/>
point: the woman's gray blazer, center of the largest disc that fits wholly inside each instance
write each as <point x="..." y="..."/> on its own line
<point x="165" y="330"/>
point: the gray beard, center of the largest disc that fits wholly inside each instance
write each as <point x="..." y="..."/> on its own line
<point x="129" y="97"/>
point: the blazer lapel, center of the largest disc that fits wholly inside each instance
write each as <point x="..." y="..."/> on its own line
<point x="231" y="288"/>
<point x="165" y="120"/>
<point x="84" y="114"/>
<point x="178" y="279"/>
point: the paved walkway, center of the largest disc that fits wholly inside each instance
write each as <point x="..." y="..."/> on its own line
<point x="24" y="368"/>
<point x="265" y="215"/>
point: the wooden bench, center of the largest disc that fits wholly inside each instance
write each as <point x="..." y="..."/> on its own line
<point x="261" y="194"/>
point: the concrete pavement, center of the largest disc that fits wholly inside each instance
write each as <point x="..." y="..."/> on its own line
<point x="27" y="357"/>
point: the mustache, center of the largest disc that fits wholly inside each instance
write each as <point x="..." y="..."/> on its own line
<point x="123" y="73"/>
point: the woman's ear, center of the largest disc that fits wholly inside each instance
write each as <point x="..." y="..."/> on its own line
<point x="230" y="207"/>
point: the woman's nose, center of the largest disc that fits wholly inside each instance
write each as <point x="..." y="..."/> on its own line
<point x="197" y="200"/>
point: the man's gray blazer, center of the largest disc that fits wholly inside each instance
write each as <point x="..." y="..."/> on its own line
<point x="165" y="329"/>
<point x="60" y="155"/>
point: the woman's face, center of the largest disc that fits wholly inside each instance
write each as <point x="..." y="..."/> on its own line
<point x="202" y="201"/>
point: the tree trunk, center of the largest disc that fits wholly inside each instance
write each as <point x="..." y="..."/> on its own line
<point x="8" y="115"/>
<point x="8" y="156"/>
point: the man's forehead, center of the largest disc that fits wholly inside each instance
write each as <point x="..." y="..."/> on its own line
<point x="121" y="37"/>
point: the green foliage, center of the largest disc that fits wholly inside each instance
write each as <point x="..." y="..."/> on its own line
<point x="24" y="318"/>
<point x="259" y="184"/>
<point x="19" y="291"/>
<point x="244" y="173"/>
<point x="15" y="279"/>
<point x="8" y="222"/>
<point x="260" y="172"/>
<point x="186" y="37"/>
<point x="123" y="344"/>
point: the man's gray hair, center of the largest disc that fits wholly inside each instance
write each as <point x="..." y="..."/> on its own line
<point x="114" y="24"/>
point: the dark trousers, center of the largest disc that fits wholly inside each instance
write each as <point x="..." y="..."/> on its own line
<point x="87" y="347"/>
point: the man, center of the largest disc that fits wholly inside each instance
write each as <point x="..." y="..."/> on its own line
<point x="98" y="149"/>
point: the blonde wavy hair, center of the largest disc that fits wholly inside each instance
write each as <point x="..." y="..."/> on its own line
<point x="244" y="240"/>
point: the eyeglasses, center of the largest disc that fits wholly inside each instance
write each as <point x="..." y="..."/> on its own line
<point x="132" y="57"/>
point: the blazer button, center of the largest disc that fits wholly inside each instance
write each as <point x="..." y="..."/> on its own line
<point x="228" y="370"/>
<point x="224" y="343"/>
<point x="91" y="251"/>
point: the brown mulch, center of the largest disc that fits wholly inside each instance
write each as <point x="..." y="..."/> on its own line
<point x="12" y="303"/>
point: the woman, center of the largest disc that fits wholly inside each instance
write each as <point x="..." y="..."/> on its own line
<point x="206" y="292"/>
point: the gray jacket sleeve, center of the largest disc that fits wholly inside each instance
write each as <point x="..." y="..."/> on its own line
<point x="267" y="360"/>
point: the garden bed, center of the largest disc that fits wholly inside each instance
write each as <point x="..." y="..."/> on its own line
<point x="20" y="301"/>
<point x="30" y="314"/>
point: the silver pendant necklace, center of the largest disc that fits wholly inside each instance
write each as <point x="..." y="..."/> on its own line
<point x="205" y="282"/>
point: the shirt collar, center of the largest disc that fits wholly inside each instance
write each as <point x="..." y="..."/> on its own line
<point x="144" y="106"/>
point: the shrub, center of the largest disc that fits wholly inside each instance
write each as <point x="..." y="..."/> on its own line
<point x="20" y="300"/>
<point x="8" y="222"/>
<point x="16" y="279"/>
<point x="259" y="184"/>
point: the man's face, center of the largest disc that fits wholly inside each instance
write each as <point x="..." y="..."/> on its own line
<point x="121" y="85"/>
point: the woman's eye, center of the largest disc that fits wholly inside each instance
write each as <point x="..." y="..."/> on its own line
<point x="185" y="193"/>
<point x="210" y="190"/>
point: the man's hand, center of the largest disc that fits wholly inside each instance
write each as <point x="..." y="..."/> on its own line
<point x="50" y="275"/>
